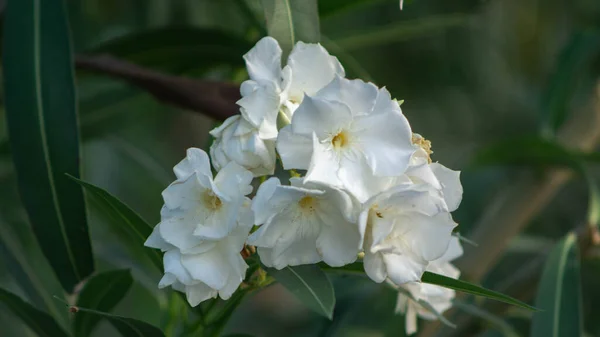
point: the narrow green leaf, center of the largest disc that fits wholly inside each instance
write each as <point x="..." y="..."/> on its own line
<point x="125" y="219"/>
<point x="42" y="124"/>
<point x="239" y="335"/>
<point x="310" y="285"/>
<point x="469" y="288"/>
<point x="402" y="31"/>
<point x="574" y="62"/>
<point x="192" y="47"/>
<point x="40" y="322"/>
<point x="128" y="327"/>
<point x="593" y="214"/>
<point x="102" y="292"/>
<point x="290" y="21"/>
<point x="30" y="269"/>
<point x="559" y="293"/>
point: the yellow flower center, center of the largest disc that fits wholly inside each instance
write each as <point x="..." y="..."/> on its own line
<point x="340" y="140"/>
<point x="211" y="201"/>
<point x="307" y="204"/>
<point x="423" y="143"/>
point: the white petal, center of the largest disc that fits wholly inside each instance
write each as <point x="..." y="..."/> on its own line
<point x="260" y="204"/>
<point x="219" y="223"/>
<point x="427" y="236"/>
<point x="323" y="165"/>
<point x="167" y="280"/>
<point x="384" y="102"/>
<point x="322" y="117"/>
<point x="411" y="320"/>
<point x="418" y="198"/>
<point x="266" y="256"/>
<point x="156" y="241"/>
<point x="451" y="186"/>
<point x="385" y="139"/>
<point x="375" y="267"/>
<point x="403" y="268"/>
<point x="198" y="293"/>
<point x="355" y="175"/>
<point x="236" y="277"/>
<point x="360" y="96"/>
<point x="196" y="160"/>
<point x="312" y="68"/>
<point x="172" y="264"/>
<point x="338" y="242"/>
<point x="295" y="150"/>
<point x="301" y="250"/>
<point x="178" y="230"/>
<point x="234" y="181"/>
<point x="453" y="252"/>
<point x="263" y="61"/>
<point x="423" y="173"/>
<point x="260" y="108"/>
<point x="210" y="267"/>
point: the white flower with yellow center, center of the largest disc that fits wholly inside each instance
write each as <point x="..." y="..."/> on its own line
<point x="403" y="229"/>
<point x="303" y="224"/>
<point x="438" y="298"/>
<point x="204" y="224"/>
<point x="271" y="89"/>
<point x="238" y="141"/>
<point x="347" y="132"/>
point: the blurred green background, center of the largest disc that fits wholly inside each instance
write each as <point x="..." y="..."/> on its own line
<point x="471" y="72"/>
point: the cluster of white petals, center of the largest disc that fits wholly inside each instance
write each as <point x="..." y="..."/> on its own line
<point x="204" y="224"/>
<point x="368" y="186"/>
<point x="438" y="298"/>
<point x="271" y="93"/>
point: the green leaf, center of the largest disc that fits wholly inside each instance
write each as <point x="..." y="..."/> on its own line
<point x="469" y="288"/>
<point x="332" y="7"/>
<point x="102" y="292"/>
<point x="42" y="124"/>
<point x="239" y="335"/>
<point x="125" y="220"/>
<point x="310" y="285"/>
<point x="500" y="324"/>
<point x="30" y="269"/>
<point x="191" y="47"/>
<point x="290" y="21"/>
<point x="40" y="322"/>
<point x="128" y="327"/>
<point x="531" y="151"/>
<point x="574" y="62"/>
<point x="402" y="31"/>
<point x="559" y="293"/>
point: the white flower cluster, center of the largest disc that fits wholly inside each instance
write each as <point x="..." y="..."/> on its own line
<point x="368" y="184"/>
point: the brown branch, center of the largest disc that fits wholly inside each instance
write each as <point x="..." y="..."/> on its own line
<point x="514" y="209"/>
<point x="214" y="99"/>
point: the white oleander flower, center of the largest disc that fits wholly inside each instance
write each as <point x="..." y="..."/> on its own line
<point x="237" y="140"/>
<point x="204" y="224"/>
<point x="272" y="89"/>
<point x="403" y="229"/>
<point x="346" y="133"/>
<point x="304" y="223"/>
<point x="438" y="298"/>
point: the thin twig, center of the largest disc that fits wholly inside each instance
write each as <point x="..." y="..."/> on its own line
<point x="214" y="99"/>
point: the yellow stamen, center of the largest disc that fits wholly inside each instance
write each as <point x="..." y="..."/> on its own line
<point x="211" y="201"/>
<point x="340" y="140"/>
<point x="423" y="143"/>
